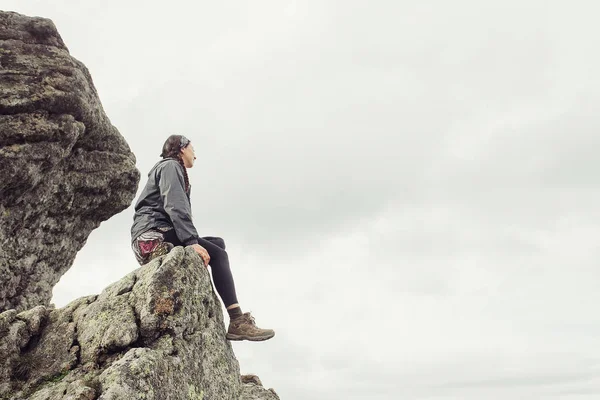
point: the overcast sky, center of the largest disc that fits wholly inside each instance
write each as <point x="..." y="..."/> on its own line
<point x="408" y="189"/>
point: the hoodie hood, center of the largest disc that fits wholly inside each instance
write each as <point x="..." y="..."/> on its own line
<point x="160" y="163"/>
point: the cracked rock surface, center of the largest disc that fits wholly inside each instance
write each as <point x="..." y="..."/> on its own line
<point x="252" y="389"/>
<point x="64" y="167"/>
<point x="156" y="334"/>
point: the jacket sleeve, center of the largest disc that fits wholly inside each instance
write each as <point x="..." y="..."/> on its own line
<point x="176" y="203"/>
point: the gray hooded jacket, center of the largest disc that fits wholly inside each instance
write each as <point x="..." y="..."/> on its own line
<point x="164" y="203"/>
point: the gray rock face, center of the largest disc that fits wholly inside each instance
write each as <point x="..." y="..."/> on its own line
<point x="252" y="389"/>
<point x="156" y="334"/>
<point x="64" y="168"/>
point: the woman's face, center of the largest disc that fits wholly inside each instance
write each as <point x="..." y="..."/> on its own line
<point x="188" y="156"/>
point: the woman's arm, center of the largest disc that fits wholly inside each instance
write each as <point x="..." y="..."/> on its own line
<point x="176" y="203"/>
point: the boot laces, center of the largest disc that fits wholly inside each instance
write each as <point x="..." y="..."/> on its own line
<point x="250" y="319"/>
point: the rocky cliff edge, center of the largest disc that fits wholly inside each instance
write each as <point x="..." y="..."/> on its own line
<point x="156" y="334"/>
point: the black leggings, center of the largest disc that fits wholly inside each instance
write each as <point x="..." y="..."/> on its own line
<point x="219" y="262"/>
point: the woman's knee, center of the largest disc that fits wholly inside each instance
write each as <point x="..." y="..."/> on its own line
<point x="217" y="241"/>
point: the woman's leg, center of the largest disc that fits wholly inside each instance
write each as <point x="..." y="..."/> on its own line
<point x="241" y="326"/>
<point x="219" y="262"/>
<point x="216" y="240"/>
<point x="234" y="309"/>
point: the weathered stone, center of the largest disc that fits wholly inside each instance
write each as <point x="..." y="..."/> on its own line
<point x="157" y="334"/>
<point x="251" y="378"/>
<point x="34" y="318"/>
<point x="120" y="287"/>
<point x="52" y="353"/>
<point x="251" y="391"/>
<point x="6" y="318"/>
<point x="64" y="391"/>
<point x="104" y="326"/>
<point x="13" y="336"/>
<point x="64" y="167"/>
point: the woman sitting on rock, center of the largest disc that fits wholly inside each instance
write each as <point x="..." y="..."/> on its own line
<point x="163" y="220"/>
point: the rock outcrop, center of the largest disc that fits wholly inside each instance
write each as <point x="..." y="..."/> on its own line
<point x="64" y="167"/>
<point x="252" y="389"/>
<point x="157" y="334"/>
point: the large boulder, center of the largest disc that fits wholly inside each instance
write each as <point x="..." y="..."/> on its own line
<point x="157" y="334"/>
<point x="64" y="167"/>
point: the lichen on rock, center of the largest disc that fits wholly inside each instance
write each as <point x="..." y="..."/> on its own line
<point x="65" y="168"/>
<point x="121" y="345"/>
<point x="156" y="334"/>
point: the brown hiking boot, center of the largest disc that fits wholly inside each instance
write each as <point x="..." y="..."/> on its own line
<point x="244" y="328"/>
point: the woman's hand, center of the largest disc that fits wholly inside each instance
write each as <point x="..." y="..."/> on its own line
<point x="203" y="253"/>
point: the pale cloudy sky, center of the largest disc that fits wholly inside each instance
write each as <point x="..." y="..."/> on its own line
<point x="408" y="190"/>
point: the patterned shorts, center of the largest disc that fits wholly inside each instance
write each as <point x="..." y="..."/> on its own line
<point x="151" y="244"/>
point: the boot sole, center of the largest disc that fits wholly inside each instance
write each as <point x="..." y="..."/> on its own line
<point x="249" y="338"/>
